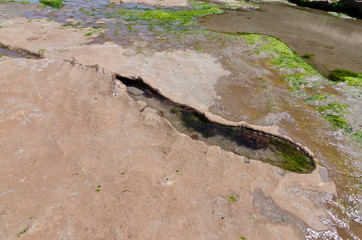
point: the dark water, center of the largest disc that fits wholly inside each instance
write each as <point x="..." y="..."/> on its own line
<point x="10" y="53"/>
<point x="332" y="42"/>
<point x="240" y="140"/>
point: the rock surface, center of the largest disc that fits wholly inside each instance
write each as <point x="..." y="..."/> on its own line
<point x="80" y="159"/>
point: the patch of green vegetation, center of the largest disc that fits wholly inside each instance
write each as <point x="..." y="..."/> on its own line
<point x="251" y="39"/>
<point x="52" y="3"/>
<point x="243" y="238"/>
<point x="181" y="17"/>
<point x="232" y="198"/>
<point x="294" y="159"/>
<point x="174" y="110"/>
<point x="99" y="187"/>
<point x="333" y="113"/>
<point x="169" y="20"/>
<point x="316" y="97"/>
<point x="190" y="120"/>
<point x="93" y="31"/>
<point x="22" y="232"/>
<point x="296" y="163"/>
<point x="341" y="75"/>
<point x="357" y="136"/>
<point x="283" y="58"/>
<point x="307" y="56"/>
<point x="337" y="121"/>
<point x="334" y="107"/>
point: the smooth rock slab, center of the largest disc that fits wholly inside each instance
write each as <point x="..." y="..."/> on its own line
<point x="65" y="134"/>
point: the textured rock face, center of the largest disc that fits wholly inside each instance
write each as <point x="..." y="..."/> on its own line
<point x="81" y="160"/>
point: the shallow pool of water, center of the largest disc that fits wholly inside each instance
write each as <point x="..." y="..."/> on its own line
<point x="328" y="42"/>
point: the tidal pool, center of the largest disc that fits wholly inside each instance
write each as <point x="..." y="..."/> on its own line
<point x="326" y="42"/>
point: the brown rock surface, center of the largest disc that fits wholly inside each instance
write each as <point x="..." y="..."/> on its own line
<point x="81" y="160"/>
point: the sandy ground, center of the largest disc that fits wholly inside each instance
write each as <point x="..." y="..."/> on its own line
<point x="81" y="160"/>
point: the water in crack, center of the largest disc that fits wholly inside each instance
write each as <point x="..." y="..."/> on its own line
<point x="240" y="140"/>
<point x="10" y="53"/>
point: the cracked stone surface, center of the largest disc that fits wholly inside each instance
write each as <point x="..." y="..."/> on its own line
<point x="81" y="160"/>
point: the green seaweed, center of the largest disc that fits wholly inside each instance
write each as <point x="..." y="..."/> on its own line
<point x="342" y="75"/>
<point x="52" y="3"/>
<point x="357" y="136"/>
<point x="293" y="158"/>
<point x="98" y="188"/>
<point x="316" y="97"/>
<point x="307" y="56"/>
<point x="171" y="20"/>
<point x="333" y="113"/>
<point x="174" y="110"/>
<point x="337" y="122"/>
<point x="22" y="231"/>
<point x="283" y="58"/>
<point x="232" y="198"/>
<point x="334" y="107"/>
<point x="190" y="120"/>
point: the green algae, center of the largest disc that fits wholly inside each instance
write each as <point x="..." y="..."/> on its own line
<point x="52" y="3"/>
<point x="316" y="97"/>
<point x="351" y="78"/>
<point x="167" y="16"/>
<point x="283" y="58"/>
<point x="22" y="232"/>
<point x="298" y="76"/>
<point x="337" y="122"/>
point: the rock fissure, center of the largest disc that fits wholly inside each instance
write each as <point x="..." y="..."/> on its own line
<point x="24" y="52"/>
<point x="239" y="138"/>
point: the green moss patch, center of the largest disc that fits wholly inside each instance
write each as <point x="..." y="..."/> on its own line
<point x="341" y="75"/>
<point x="52" y="3"/>
<point x="301" y="76"/>
<point x="293" y="158"/>
<point x="284" y="59"/>
<point x="333" y="113"/>
<point x="337" y="121"/>
<point x="169" y="18"/>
